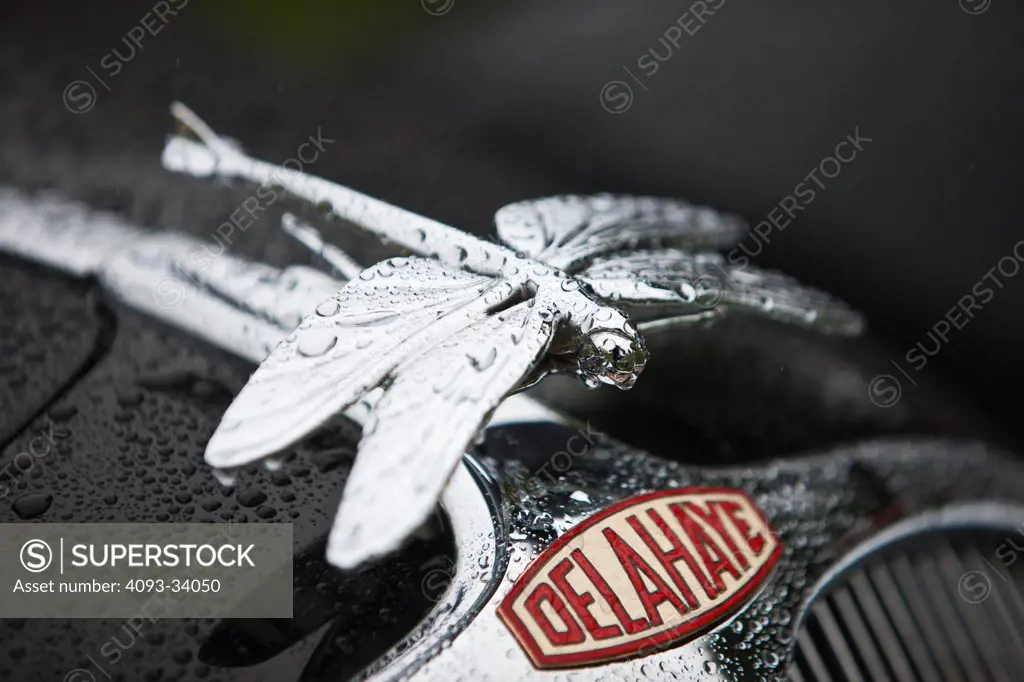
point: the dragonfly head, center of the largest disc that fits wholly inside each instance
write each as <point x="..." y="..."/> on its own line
<point x="612" y="356"/>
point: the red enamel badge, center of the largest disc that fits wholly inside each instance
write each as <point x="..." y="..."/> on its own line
<point x="641" y="576"/>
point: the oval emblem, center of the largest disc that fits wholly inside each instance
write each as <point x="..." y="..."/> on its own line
<point x="641" y="576"/>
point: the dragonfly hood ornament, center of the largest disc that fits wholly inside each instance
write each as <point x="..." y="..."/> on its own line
<point x="449" y="332"/>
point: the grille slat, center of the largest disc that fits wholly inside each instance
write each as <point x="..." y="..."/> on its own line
<point x="903" y="622"/>
<point x="978" y="622"/>
<point x="816" y="668"/>
<point x="837" y="642"/>
<point x="950" y="624"/>
<point x="864" y="645"/>
<point x="865" y="594"/>
<point x="1007" y="605"/>
<point x="927" y="609"/>
<point x="1011" y="588"/>
<point x="926" y="621"/>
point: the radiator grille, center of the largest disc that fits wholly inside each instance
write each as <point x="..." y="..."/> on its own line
<point x="942" y="607"/>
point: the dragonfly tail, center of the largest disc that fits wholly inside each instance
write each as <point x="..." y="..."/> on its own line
<point x="194" y="148"/>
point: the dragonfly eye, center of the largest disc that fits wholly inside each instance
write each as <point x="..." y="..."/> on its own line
<point x="611" y="357"/>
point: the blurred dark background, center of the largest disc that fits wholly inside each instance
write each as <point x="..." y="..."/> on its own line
<point x="454" y="108"/>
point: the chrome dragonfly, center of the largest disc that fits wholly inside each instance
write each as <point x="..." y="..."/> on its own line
<point x="448" y="332"/>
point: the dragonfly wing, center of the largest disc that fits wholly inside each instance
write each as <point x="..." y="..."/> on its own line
<point x="427" y="418"/>
<point x="567" y="231"/>
<point x="705" y="283"/>
<point x="346" y="347"/>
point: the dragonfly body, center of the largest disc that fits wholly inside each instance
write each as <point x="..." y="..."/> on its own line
<point x="616" y="353"/>
<point x="615" y="338"/>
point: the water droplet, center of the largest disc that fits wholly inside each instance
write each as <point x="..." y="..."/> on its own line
<point x="32" y="505"/>
<point x="483" y="361"/>
<point x="316" y="342"/>
<point x="251" y="498"/>
<point x="328" y="308"/>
